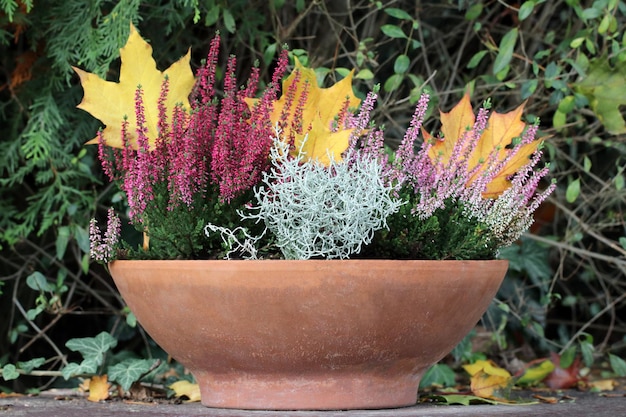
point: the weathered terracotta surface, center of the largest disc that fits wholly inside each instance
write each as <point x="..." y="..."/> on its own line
<point x="278" y="334"/>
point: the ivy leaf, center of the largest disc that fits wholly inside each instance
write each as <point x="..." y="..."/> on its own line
<point x="31" y="364"/>
<point x="502" y="129"/>
<point x="604" y="88"/>
<point x="529" y="257"/>
<point x="129" y="371"/>
<point x="110" y="102"/>
<point x="320" y="110"/>
<point x="439" y="374"/>
<point x="9" y="372"/>
<point x="92" y="348"/>
<point x="86" y="367"/>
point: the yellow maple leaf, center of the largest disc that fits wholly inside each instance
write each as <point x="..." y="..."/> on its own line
<point x="488" y="379"/>
<point x="186" y="389"/>
<point x="487" y="366"/>
<point x="502" y="129"/>
<point x="110" y="102"/>
<point x="320" y="110"/>
<point x="98" y="388"/>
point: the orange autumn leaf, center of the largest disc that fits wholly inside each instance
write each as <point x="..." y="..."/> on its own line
<point x="10" y="394"/>
<point x="98" y="388"/>
<point x="110" y="102"/>
<point x="502" y="129"/>
<point x="320" y="110"/>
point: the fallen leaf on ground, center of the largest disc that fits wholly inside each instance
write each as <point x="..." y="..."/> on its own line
<point x="561" y="378"/>
<point x="489" y="380"/>
<point x="10" y="394"/>
<point x="603" y="385"/>
<point x="84" y="385"/>
<point x="140" y="402"/>
<point x="186" y="389"/>
<point x="544" y="399"/>
<point x="611" y="395"/>
<point x="465" y="399"/>
<point x="98" y="388"/>
<point x="536" y="373"/>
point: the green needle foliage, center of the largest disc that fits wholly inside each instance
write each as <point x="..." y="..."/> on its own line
<point x="445" y="235"/>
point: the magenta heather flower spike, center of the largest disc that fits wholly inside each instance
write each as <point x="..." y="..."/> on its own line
<point x="204" y="89"/>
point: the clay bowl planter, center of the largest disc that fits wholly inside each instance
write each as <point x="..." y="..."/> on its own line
<point x="315" y="334"/>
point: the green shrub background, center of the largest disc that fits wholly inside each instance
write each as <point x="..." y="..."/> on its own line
<point x="566" y="286"/>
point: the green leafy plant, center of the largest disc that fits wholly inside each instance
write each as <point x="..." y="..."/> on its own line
<point x="94" y="351"/>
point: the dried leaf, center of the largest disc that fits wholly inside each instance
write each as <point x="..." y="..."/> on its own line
<point x="486" y="366"/>
<point x="603" y="385"/>
<point x="23" y="70"/>
<point x="489" y="386"/>
<point x="320" y="110"/>
<point x="186" y="389"/>
<point x="563" y="378"/>
<point x="98" y="388"/>
<point x="10" y="394"/>
<point x="547" y="400"/>
<point x="489" y="380"/>
<point x="84" y="385"/>
<point x="502" y="129"/>
<point x="110" y="101"/>
<point x="465" y="399"/>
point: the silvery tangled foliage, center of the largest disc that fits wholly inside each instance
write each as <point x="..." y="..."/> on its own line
<point x="318" y="211"/>
<point x="238" y="241"/>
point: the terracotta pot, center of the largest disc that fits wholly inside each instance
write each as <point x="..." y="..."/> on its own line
<point x="313" y="334"/>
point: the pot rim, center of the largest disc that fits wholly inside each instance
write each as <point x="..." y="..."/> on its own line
<point x="282" y="261"/>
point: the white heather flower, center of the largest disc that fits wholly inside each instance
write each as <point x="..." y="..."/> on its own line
<point x="104" y="250"/>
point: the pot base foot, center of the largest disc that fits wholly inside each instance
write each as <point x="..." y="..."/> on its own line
<point x="323" y="391"/>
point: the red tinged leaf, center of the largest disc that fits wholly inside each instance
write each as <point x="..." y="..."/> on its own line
<point x="563" y="378"/>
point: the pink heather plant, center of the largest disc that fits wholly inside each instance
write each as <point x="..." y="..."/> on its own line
<point x="225" y="146"/>
<point x="437" y="192"/>
<point x="211" y="167"/>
